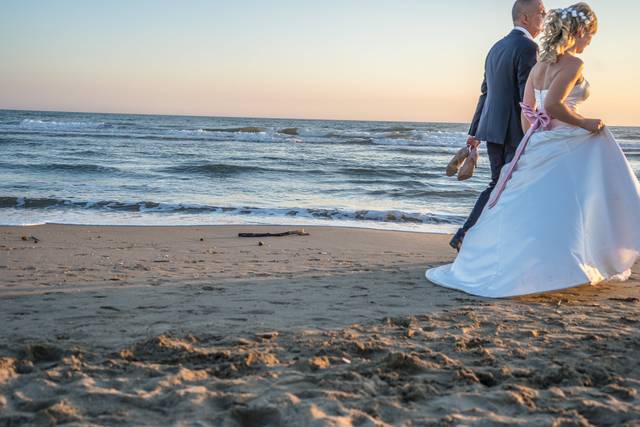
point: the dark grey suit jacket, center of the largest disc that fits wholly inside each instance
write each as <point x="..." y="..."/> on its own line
<point x="507" y="67"/>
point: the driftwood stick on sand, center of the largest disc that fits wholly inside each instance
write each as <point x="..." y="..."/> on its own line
<point x="300" y="232"/>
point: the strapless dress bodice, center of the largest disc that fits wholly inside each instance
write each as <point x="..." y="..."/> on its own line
<point x="577" y="96"/>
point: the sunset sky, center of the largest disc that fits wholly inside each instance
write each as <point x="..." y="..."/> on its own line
<point x="409" y="60"/>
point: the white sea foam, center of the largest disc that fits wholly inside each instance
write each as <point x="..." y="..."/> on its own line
<point x="217" y="135"/>
<point x="35" y="206"/>
<point x="53" y="125"/>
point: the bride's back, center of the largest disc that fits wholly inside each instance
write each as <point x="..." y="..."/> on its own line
<point x="544" y="73"/>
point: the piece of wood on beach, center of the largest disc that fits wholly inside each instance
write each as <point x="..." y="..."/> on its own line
<point x="300" y="232"/>
<point x="34" y="239"/>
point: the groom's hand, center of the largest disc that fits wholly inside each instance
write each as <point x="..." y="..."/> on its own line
<point x="473" y="142"/>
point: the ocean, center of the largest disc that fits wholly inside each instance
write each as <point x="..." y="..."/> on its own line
<point x="124" y="169"/>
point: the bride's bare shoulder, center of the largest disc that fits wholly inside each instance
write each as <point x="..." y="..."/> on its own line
<point x="567" y="66"/>
<point x="564" y="61"/>
<point x="570" y="62"/>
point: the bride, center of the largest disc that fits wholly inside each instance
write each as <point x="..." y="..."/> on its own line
<point x="566" y="213"/>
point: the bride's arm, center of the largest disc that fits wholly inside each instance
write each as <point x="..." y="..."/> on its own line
<point x="560" y="88"/>
<point x="530" y="100"/>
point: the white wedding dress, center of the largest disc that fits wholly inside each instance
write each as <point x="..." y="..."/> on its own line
<point x="569" y="215"/>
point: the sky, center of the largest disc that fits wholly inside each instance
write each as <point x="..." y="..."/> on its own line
<point x="404" y="60"/>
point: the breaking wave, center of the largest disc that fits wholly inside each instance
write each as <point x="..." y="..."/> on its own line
<point x="389" y="216"/>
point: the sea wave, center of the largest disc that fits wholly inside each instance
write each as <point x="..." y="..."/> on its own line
<point x="289" y="131"/>
<point x="54" y="125"/>
<point x="357" y="175"/>
<point x="387" y="216"/>
<point x="627" y="133"/>
<point x="388" y="172"/>
<point x="262" y="135"/>
<point x="393" y="129"/>
<point x="393" y="141"/>
<point x="404" y="193"/>
<point x="215" y="169"/>
<point x="60" y="167"/>
<point x="246" y="129"/>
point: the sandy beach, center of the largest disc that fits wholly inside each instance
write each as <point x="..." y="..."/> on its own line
<point x="197" y="326"/>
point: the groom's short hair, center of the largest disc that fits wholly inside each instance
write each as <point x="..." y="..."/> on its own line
<point x="519" y="7"/>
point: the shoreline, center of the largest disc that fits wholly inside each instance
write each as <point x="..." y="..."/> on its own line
<point x="295" y="226"/>
<point x="145" y="324"/>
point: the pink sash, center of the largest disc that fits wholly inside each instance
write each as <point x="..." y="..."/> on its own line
<point x="539" y="120"/>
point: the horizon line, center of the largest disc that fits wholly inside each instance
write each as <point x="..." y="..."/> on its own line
<point x="254" y="117"/>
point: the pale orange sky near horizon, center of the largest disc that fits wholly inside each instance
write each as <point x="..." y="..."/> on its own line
<point x="407" y="61"/>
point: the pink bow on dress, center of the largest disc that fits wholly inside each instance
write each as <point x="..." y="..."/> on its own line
<point x="539" y="120"/>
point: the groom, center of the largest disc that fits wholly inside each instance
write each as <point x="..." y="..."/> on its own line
<point x="497" y="117"/>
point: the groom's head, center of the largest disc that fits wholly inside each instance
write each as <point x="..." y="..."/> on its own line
<point x="529" y="14"/>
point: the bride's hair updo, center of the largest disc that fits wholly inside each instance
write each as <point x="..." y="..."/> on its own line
<point x="562" y="26"/>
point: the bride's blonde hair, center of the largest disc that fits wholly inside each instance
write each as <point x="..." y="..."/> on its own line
<point x="561" y="28"/>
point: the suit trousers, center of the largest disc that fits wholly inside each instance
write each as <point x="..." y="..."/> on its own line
<point x="499" y="155"/>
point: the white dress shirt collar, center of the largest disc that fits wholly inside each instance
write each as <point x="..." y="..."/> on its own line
<point x="525" y="31"/>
